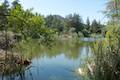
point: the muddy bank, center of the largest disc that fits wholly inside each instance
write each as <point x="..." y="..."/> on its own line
<point x="8" y="61"/>
<point x="12" y="62"/>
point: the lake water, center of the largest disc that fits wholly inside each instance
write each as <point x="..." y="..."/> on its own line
<point x="58" y="63"/>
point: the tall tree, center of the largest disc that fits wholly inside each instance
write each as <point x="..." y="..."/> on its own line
<point x="55" y="22"/>
<point x="15" y="3"/>
<point x="75" y="21"/>
<point x="88" y="24"/>
<point x="4" y="10"/>
<point x="94" y="26"/>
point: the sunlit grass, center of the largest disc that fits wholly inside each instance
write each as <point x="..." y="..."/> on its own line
<point x="107" y="57"/>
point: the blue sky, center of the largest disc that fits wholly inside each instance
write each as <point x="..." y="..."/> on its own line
<point x="86" y="8"/>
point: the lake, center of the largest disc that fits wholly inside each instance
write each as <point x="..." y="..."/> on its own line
<point x="60" y="62"/>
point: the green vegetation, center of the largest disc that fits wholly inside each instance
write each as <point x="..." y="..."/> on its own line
<point x="27" y="33"/>
<point x="24" y="22"/>
<point x="73" y="23"/>
<point x="106" y="57"/>
<point x="31" y="25"/>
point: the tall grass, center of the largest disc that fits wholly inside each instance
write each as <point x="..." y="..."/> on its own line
<point x="107" y="56"/>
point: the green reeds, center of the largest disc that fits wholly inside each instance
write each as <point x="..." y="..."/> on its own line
<point x="107" y="56"/>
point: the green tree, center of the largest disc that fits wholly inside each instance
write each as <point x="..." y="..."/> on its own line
<point x="17" y="19"/>
<point x="95" y="26"/>
<point x="74" y="21"/>
<point x="4" y="10"/>
<point x="88" y="24"/>
<point x="15" y="3"/>
<point x="55" y="22"/>
<point x="29" y="24"/>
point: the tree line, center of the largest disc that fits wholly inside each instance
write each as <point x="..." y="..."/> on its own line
<point x="75" y="22"/>
<point x="34" y="25"/>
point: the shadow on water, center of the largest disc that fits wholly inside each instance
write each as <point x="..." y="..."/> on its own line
<point x="15" y="73"/>
<point x="59" y="62"/>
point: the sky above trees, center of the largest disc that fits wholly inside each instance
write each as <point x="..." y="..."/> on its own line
<point x="86" y="8"/>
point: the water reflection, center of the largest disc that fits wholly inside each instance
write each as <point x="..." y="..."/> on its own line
<point x="56" y="63"/>
<point x="92" y="39"/>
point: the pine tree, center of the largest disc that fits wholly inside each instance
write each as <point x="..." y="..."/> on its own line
<point x="4" y="11"/>
<point x="15" y="3"/>
<point x="88" y="24"/>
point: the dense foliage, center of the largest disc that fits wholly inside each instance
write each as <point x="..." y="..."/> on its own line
<point x="30" y="24"/>
<point x="55" y="22"/>
<point x="73" y="23"/>
<point x="24" y="22"/>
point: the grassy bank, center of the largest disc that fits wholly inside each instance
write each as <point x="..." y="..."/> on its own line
<point x="107" y="56"/>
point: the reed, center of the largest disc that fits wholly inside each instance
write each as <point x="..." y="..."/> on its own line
<point x="107" y="56"/>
